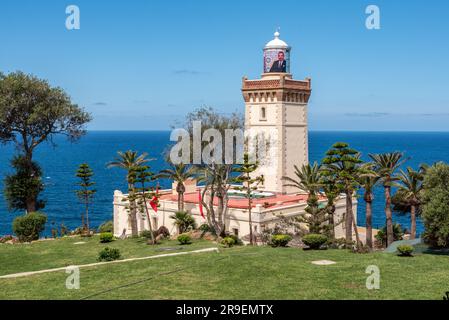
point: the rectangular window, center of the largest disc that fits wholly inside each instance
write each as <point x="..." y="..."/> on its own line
<point x="235" y="231"/>
<point x="263" y="113"/>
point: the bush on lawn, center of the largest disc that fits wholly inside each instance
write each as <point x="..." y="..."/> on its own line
<point x="228" y="242"/>
<point x="280" y="240"/>
<point x="107" y="226"/>
<point x="314" y="241"/>
<point x="106" y="237"/>
<point x="184" y="239"/>
<point x="405" y="250"/>
<point x="28" y="227"/>
<point x="109" y="254"/>
<point x="237" y="240"/>
<point x="381" y="236"/>
<point x="147" y="234"/>
<point x="339" y="243"/>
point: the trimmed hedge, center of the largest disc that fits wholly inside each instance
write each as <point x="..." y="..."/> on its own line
<point x="106" y="237"/>
<point x="280" y="240"/>
<point x="228" y="242"/>
<point x="314" y="241"/>
<point x="184" y="239"/>
<point x="405" y="250"/>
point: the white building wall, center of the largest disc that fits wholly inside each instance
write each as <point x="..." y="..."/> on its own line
<point x="237" y="218"/>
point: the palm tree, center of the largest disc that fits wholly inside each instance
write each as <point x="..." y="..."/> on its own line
<point x="368" y="183"/>
<point x="410" y="186"/>
<point x="178" y="173"/>
<point x="308" y="179"/>
<point x="129" y="160"/>
<point x="386" y="165"/>
<point x="183" y="221"/>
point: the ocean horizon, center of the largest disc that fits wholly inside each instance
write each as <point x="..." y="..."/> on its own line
<point x="99" y="147"/>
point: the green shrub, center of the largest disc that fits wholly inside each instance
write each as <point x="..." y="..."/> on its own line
<point x="147" y="234"/>
<point x="405" y="250"/>
<point x="107" y="226"/>
<point x="28" y="227"/>
<point x="280" y="240"/>
<point x="435" y="209"/>
<point x="237" y="240"/>
<point x="109" y="254"/>
<point x="184" y="239"/>
<point x="205" y="228"/>
<point x="228" y="242"/>
<point x="314" y="241"/>
<point x="381" y="236"/>
<point x="184" y="221"/>
<point x="339" y="243"/>
<point x="106" y="237"/>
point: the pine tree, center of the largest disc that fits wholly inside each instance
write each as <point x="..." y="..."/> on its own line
<point x="344" y="166"/>
<point x="249" y="185"/>
<point x="85" y="193"/>
<point x="143" y="193"/>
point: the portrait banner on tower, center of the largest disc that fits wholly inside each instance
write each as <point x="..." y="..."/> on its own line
<point x="276" y="60"/>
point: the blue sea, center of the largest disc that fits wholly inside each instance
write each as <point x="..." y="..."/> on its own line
<point x="97" y="148"/>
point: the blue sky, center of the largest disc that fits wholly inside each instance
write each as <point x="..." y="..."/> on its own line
<point x="143" y="64"/>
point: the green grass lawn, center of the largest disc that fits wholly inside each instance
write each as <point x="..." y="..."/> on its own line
<point x="236" y="273"/>
<point x="64" y="252"/>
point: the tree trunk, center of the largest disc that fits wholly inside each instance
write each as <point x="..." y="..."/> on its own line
<point x="369" y="224"/>
<point x="208" y="214"/>
<point x="31" y="201"/>
<point x="413" y="222"/>
<point x="31" y="205"/>
<point x="133" y="213"/>
<point x="331" y="212"/>
<point x="148" y="216"/>
<point x="220" y="208"/>
<point x="388" y="214"/>
<point x="250" y="220"/>
<point x="348" y="220"/>
<point x="83" y="225"/>
<point x="87" y="217"/>
<point x="179" y="202"/>
<point x="182" y="201"/>
<point x="357" y="237"/>
<point x="180" y="189"/>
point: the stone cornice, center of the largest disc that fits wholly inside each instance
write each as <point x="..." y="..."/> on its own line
<point x="274" y="90"/>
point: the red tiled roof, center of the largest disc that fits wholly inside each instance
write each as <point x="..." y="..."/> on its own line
<point x="275" y="201"/>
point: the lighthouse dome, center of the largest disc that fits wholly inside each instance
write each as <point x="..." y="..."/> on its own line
<point x="276" y="43"/>
<point x="276" y="56"/>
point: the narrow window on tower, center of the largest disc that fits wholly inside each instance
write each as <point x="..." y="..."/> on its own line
<point x="263" y="114"/>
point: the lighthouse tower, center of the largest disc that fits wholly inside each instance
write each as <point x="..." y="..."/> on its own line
<point x="276" y="107"/>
